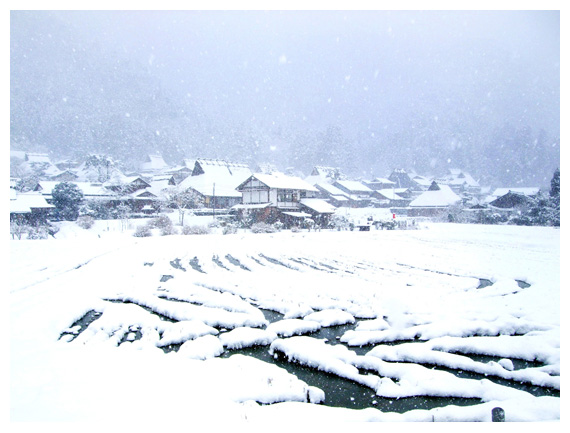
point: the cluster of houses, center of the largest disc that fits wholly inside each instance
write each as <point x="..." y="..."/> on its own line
<point x="261" y="194"/>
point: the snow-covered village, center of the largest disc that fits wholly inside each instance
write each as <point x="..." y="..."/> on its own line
<point x="419" y="299"/>
<point x="162" y="277"/>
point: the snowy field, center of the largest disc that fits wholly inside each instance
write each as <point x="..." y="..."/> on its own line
<point x="93" y="312"/>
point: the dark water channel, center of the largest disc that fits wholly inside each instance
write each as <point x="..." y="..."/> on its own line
<point x="341" y="392"/>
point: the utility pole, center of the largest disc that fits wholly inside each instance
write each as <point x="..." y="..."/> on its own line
<point x="214" y="201"/>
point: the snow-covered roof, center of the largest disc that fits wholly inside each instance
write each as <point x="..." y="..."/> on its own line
<point x="499" y="192"/>
<point x="442" y="197"/>
<point x="53" y="174"/>
<point x="330" y="189"/>
<point x="251" y="206"/>
<point x="315" y="179"/>
<point x="210" y="185"/>
<point x="353" y="185"/>
<point x="421" y="180"/>
<point x="220" y="167"/>
<point x="154" y="163"/>
<point x="325" y="171"/>
<point x="145" y="193"/>
<point x="298" y="214"/>
<point x="323" y="174"/>
<point x="339" y="197"/>
<point x="88" y="188"/>
<point x="458" y="177"/>
<point x="224" y="178"/>
<point x="158" y="187"/>
<point x="282" y="181"/>
<point x="390" y="194"/>
<point x="318" y="205"/>
<point x="25" y="202"/>
<point x="38" y="157"/>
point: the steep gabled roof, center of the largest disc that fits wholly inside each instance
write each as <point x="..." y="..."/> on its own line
<point x="219" y="167"/>
<point x="154" y="163"/>
<point x="281" y="181"/>
<point x="442" y="197"/>
<point x="216" y="177"/>
<point x="353" y="186"/>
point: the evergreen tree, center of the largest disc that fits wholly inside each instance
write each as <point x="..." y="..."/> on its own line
<point x="555" y="185"/>
<point x="555" y="197"/>
<point x="67" y="198"/>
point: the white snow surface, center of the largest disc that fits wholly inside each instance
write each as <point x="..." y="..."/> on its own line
<point x="418" y="285"/>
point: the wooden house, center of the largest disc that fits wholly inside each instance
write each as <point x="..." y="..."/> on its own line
<point x="182" y="171"/>
<point x="460" y="182"/>
<point x="274" y="197"/>
<point x="64" y="176"/>
<point x="379" y="183"/>
<point x="30" y="208"/>
<point x="320" y="210"/>
<point x="500" y="192"/>
<point x="390" y="197"/>
<point x="215" y="181"/>
<point x="127" y="184"/>
<point x="401" y="178"/>
<point x="435" y="202"/>
<point x="512" y="200"/>
<point x="359" y="195"/>
<point x="332" y="194"/>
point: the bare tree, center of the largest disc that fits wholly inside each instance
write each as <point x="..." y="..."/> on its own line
<point x="182" y="200"/>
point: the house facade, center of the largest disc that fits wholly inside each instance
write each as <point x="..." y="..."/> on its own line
<point x="277" y="190"/>
<point x="274" y="197"/>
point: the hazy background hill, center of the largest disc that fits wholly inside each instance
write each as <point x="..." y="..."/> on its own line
<point x="364" y="91"/>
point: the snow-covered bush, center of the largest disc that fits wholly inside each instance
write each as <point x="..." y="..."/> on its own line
<point x="18" y="229"/>
<point x="214" y="224"/>
<point x="195" y="230"/>
<point x="262" y="228"/>
<point x="160" y="222"/>
<point x="229" y="229"/>
<point x="143" y="231"/>
<point x="339" y="222"/>
<point x="85" y="222"/>
<point x="168" y="230"/>
<point x="295" y="229"/>
<point x="278" y="225"/>
<point x="39" y="232"/>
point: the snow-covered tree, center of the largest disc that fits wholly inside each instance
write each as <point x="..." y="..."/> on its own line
<point x="67" y="198"/>
<point x="181" y="200"/>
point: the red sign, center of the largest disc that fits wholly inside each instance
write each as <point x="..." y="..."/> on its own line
<point x="393" y="216"/>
